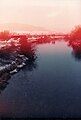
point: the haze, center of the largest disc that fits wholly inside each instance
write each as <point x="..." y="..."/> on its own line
<point x="57" y="15"/>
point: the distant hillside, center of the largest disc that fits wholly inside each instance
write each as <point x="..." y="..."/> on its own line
<point x="20" y="27"/>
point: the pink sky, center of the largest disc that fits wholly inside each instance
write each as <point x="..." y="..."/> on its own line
<point x="57" y="15"/>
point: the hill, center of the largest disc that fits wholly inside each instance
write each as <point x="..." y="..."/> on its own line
<point x="20" y="27"/>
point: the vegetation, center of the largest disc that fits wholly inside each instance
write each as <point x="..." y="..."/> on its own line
<point x="76" y="33"/>
<point x="4" y="35"/>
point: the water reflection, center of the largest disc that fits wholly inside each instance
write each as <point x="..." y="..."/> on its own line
<point x="77" y="55"/>
<point x="76" y="47"/>
<point x="74" y="44"/>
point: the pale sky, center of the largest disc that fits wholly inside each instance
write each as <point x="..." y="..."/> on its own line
<point x="58" y="15"/>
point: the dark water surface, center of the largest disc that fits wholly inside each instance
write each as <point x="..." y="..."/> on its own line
<point x="49" y="86"/>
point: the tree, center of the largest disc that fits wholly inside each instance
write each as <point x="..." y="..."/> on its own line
<point x="76" y="33"/>
<point x="4" y="35"/>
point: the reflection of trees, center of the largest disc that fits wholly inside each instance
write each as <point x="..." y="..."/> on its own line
<point x="76" y="46"/>
<point x="77" y="54"/>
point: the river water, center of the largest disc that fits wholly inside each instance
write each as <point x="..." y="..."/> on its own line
<point x="48" y="86"/>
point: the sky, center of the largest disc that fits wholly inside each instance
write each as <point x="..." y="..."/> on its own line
<point x="57" y="15"/>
